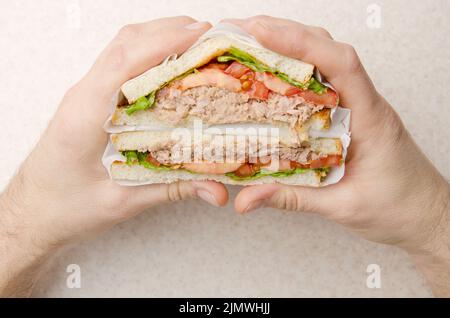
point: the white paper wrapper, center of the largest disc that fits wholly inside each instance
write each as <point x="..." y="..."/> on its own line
<point x="340" y="117"/>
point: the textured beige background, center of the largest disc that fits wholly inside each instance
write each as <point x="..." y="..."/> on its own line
<point x="190" y="249"/>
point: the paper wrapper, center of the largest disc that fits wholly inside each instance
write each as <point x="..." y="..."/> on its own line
<point x="340" y="117"/>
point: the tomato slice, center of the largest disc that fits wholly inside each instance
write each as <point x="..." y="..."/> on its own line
<point x="281" y="165"/>
<point x="292" y="91"/>
<point x="153" y="161"/>
<point x="246" y="170"/>
<point x="328" y="99"/>
<point x="211" y="168"/>
<point x="328" y="161"/>
<point x="214" y="65"/>
<point x="257" y="85"/>
<point x="259" y="91"/>
<point x="236" y="69"/>
<point x="277" y="85"/>
<point x="213" y="77"/>
<point x="250" y="169"/>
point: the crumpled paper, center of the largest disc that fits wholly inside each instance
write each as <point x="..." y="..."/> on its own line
<point x="340" y="117"/>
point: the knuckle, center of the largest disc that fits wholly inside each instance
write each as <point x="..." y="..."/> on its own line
<point x="72" y="93"/>
<point x="258" y="24"/>
<point x="351" y="59"/>
<point x="287" y="199"/>
<point x="299" y="36"/>
<point x="118" y="56"/>
<point x="116" y="200"/>
<point x="296" y="199"/>
<point x="185" y="18"/>
<point x="175" y="192"/>
<point x="260" y="17"/>
<point x="394" y="125"/>
<point x="256" y="27"/>
<point x="346" y="213"/>
<point x="323" y="32"/>
<point x="128" y="32"/>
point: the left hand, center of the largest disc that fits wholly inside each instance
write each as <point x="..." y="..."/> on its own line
<point x="391" y="193"/>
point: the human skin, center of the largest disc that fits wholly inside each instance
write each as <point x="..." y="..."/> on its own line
<point x="62" y="193"/>
<point x="391" y="193"/>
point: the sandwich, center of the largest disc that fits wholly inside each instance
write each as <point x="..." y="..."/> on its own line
<point x="226" y="84"/>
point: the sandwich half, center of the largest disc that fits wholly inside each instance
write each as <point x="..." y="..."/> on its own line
<point x="165" y="157"/>
<point x="226" y="82"/>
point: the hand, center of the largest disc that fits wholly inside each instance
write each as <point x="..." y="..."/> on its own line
<point x="391" y="193"/>
<point x="62" y="193"/>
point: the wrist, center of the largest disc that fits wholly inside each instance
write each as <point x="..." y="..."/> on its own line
<point x="21" y="230"/>
<point x="432" y="257"/>
<point x="21" y="259"/>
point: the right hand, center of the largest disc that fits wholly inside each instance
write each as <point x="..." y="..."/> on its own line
<point x="62" y="193"/>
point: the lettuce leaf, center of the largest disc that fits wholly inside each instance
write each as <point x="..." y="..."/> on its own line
<point x="143" y="103"/>
<point x="261" y="174"/>
<point x="135" y="157"/>
<point x="279" y="174"/>
<point x="132" y="157"/>
<point x="246" y="59"/>
<point x="317" y="87"/>
<point x="148" y="101"/>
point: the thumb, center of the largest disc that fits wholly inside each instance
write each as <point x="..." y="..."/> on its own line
<point x="292" y="198"/>
<point x="147" y="196"/>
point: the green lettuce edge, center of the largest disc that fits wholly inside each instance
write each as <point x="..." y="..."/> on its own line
<point x="246" y="59"/>
<point x="140" y="158"/>
<point x="260" y="174"/>
<point x="135" y="157"/>
<point x="143" y="103"/>
<point x="279" y="174"/>
<point x="146" y="102"/>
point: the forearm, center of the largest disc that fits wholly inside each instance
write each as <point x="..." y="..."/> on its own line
<point x="433" y="260"/>
<point x="22" y="254"/>
<point x="19" y="268"/>
<point x="435" y="266"/>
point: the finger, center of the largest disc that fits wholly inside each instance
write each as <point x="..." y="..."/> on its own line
<point x="337" y="61"/>
<point x="320" y="31"/>
<point x="134" y="50"/>
<point x="137" y="48"/>
<point x="292" y="198"/>
<point x="314" y="29"/>
<point x="146" y="196"/>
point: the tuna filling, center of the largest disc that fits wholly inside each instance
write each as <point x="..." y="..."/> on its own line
<point x="216" y="105"/>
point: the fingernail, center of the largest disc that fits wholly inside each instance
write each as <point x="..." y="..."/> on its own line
<point x="254" y="205"/>
<point x="197" y="25"/>
<point x="208" y="197"/>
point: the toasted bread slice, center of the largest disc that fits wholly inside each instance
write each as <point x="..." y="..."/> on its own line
<point x="143" y="141"/>
<point x="201" y="54"/>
